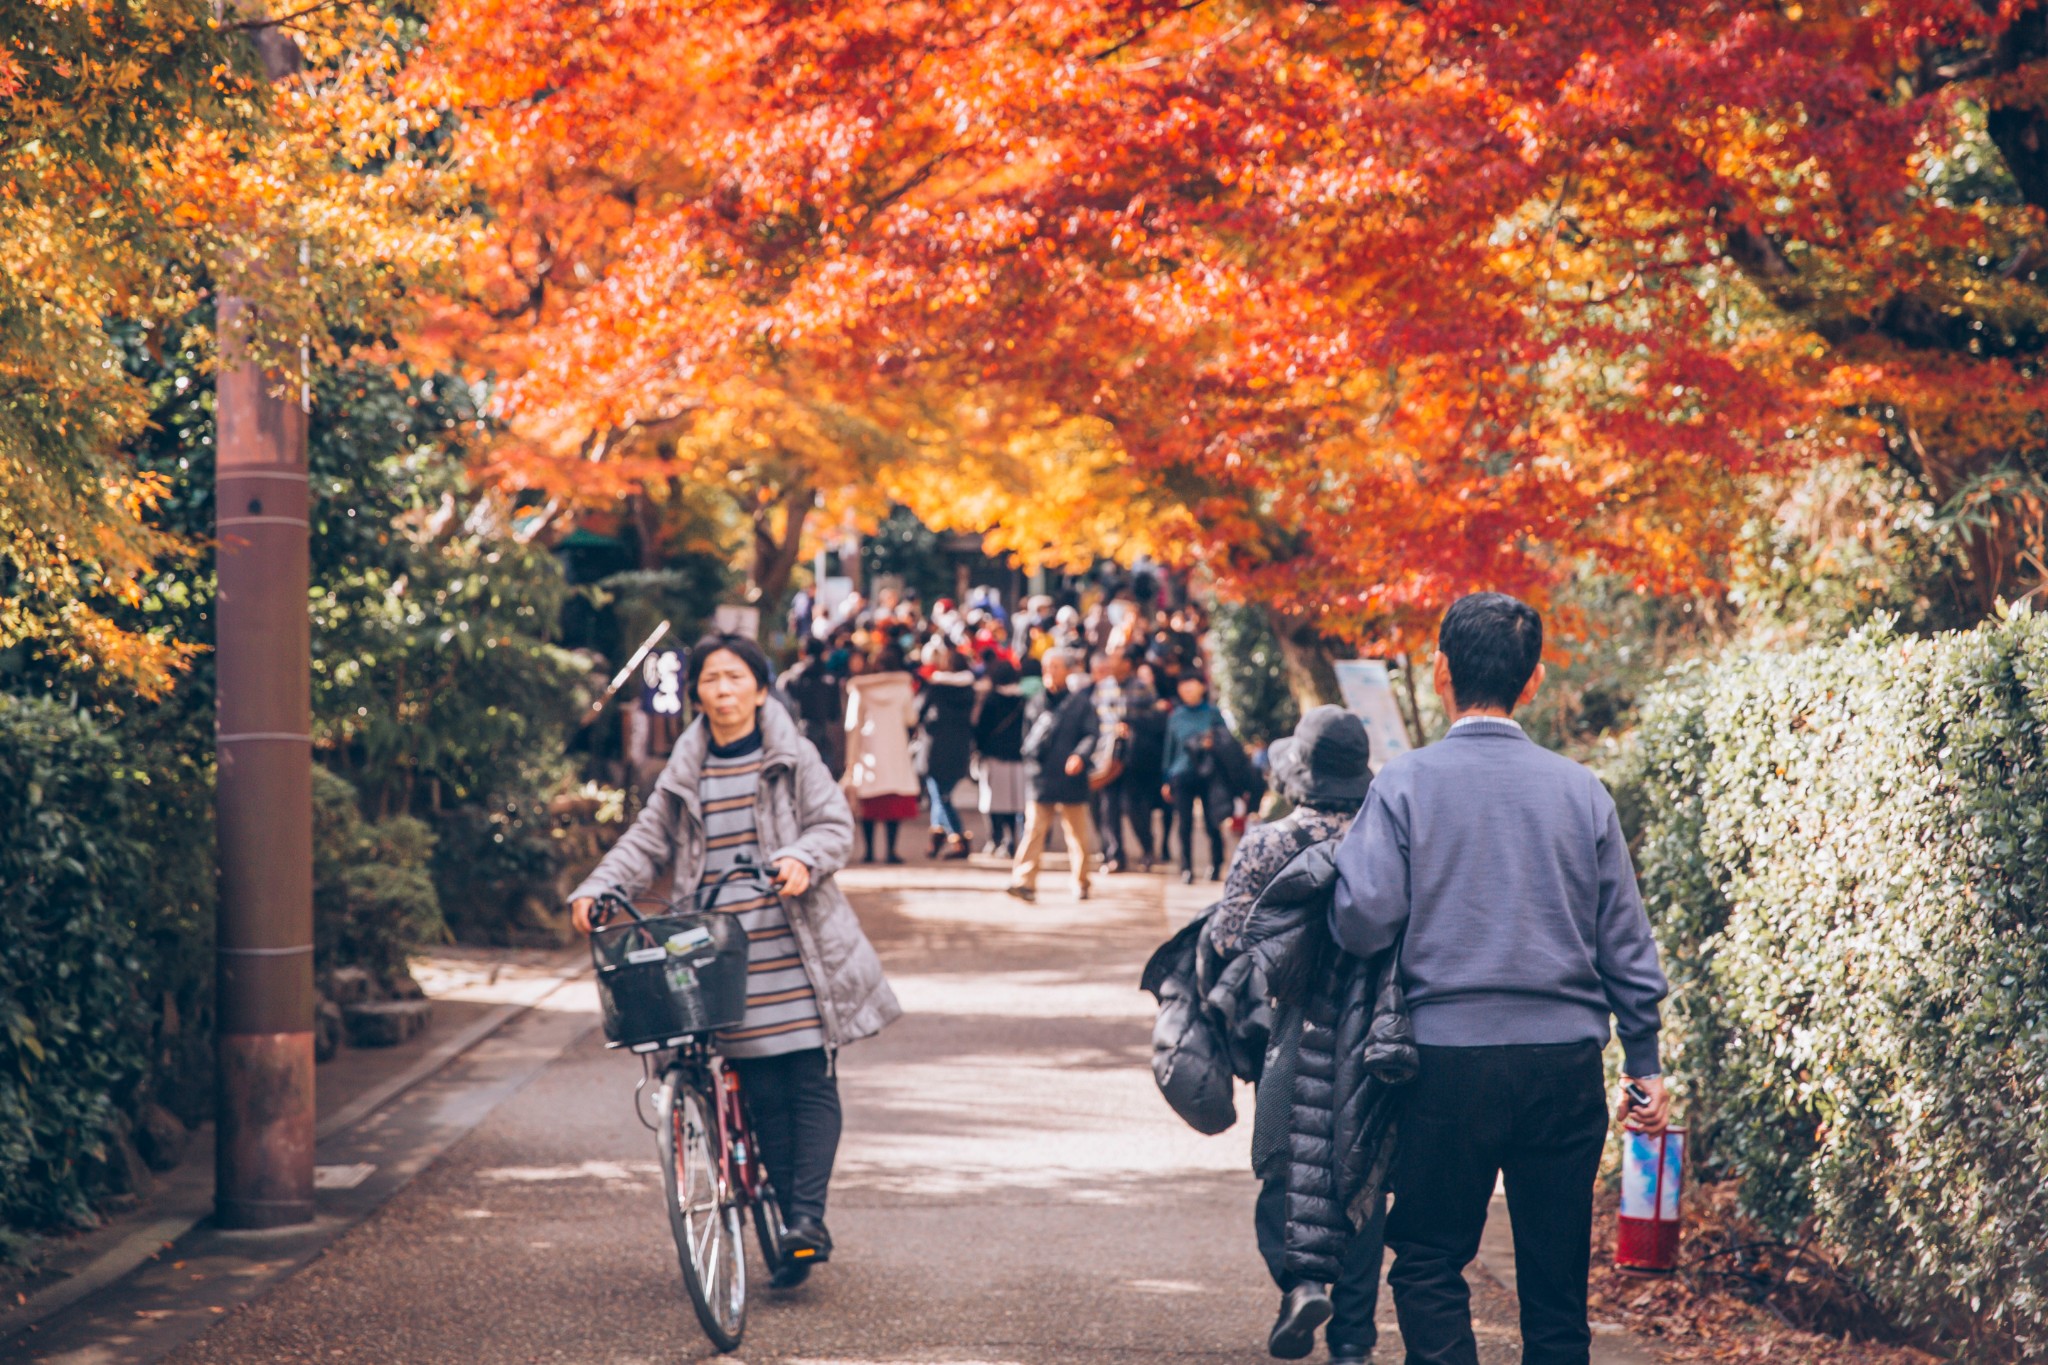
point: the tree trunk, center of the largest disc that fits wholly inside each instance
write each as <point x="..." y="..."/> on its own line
<point x="646" y="516"/>
<point x="1411" y="714"/>
<point x="1311" y="677"/>
<point x="775" y="556"/>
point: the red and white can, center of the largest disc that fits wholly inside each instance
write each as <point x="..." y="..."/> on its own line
<point x="1652" y="1184"/>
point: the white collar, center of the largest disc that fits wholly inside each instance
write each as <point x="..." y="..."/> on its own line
<point x="1487" y="720"/>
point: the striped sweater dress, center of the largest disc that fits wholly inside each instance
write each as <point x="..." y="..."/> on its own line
<point x="782" y="1004"/>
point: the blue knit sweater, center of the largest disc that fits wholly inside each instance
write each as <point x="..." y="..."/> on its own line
<point x="1504" y="863"/>
<point x="1184" y="723"/>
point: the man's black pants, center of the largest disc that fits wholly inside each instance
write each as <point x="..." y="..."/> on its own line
<point x="1537" y="1117"/>
<point x="1185" y="794"/>
<point x="1109" y="823"/>
<point x="1139" y="801"/>
<point x="794" y="1101"/>
<point x="1355" y="1296"/>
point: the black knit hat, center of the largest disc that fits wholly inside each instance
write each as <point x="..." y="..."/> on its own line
<point x="1335" y="750"/>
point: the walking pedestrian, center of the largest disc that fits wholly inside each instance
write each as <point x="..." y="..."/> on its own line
<point x="743" y="786"/>
<point x="1106" y="792"/>
<point x="1195" y="774"/>
<point x="999" y="755"/>
<point x="945" y="743"/>
<point x="1144" y="753"/>
<point x="819" y="696"/>
<point x="1501" y="870"/>
<point x="1060" y="733"/>
<point x="1304" y="1216"/>
<point x="879" y="770"/>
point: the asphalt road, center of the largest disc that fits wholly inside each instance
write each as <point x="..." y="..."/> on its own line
<point x="1011" y="1188"/>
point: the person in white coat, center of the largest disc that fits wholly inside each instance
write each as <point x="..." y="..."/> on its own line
<point x="880" y="775"/>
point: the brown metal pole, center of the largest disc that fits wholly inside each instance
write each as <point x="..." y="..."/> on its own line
<point x="264" y="1136"/>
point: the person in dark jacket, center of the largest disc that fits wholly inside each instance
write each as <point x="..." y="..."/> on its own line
<point x="1060" y="734"/>
<point x="1194" y="774"/>
<point x="999" y="755"/>
<point x="1144" y="753"/>
<point x="945" y="743"/>
<point x="1307" y="1237"/>
<point x="818" y="697"/>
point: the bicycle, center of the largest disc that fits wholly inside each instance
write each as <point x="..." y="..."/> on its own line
<point x="711" y="1167"/>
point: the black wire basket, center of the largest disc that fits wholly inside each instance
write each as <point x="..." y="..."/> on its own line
<point x="662" y="978"/>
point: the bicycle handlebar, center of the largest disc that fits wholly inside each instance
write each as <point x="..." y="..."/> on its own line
<point x="607" y="903"/>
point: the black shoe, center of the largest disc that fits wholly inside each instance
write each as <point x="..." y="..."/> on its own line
<point x="1081" y="894"/>
<point x="1350" y="1355"/>
<point x="789" y="1276"/>
<point x="1215" y="874"/>
<point x="893" y="860"/>
<point x="1187" y="876"/>
<point x="805" y="1243"/>
<point x="1022" y="893"/>
<point x="1302" y="1309"/>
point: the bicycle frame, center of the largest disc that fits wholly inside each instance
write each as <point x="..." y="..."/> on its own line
<point x="741" y="1175"/>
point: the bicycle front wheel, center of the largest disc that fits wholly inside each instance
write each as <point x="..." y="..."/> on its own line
<point x="702" y="1212"/>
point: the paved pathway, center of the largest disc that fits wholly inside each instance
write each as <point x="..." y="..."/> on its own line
<point x="1011" y="1187"/>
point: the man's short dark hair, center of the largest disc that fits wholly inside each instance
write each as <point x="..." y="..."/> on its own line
<point x="1493" y="644"/>
<point x="740" y="647"/>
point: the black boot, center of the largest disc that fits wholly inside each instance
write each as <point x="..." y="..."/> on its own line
<point x="1302" y="1309"/>
<point x="805" y="1242"/>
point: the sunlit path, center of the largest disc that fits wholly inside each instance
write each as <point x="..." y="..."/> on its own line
<point x="1011" y="1188"/>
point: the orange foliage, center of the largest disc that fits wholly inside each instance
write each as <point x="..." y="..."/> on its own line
<point x="1375" y="303"/>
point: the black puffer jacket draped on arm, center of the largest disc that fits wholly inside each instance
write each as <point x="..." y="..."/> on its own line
<point x="1340" y="1049"/>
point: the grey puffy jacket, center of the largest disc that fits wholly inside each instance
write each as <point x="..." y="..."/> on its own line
<point x="800" y="813"/>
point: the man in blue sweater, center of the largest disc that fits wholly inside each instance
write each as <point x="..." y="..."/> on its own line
<point x="1500" y="869"/>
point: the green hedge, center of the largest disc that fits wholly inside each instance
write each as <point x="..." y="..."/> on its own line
<point x="1846" y="854"/>
<point x="373" y="896"/>
<point x="74" y="1031"/>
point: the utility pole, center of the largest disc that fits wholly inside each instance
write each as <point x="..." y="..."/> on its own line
<point x="263" y="1163"/>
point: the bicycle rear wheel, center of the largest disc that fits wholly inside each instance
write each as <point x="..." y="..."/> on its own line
<point x="768" y="1232"/>
<point x="702" y="1212"/>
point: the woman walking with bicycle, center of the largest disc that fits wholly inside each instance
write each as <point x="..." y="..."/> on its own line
<point x="743" y="788"/>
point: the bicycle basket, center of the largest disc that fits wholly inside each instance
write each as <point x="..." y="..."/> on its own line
<point x="665" y="977"/>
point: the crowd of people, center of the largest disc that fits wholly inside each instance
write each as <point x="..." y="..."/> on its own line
<point x="1092" y="716"/>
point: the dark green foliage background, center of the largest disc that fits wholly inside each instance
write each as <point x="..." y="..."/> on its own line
<point x="1845" y="851"/>
<point x="1251" y="675"/>
<point x="416" y="587"/>
<point x="74" y="1032"/>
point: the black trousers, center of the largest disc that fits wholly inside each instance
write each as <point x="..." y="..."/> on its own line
<point x="1537" y="1117"/>
<point x="794" y="1101"/>
<point x="1140" y="798"/>
<point x="1108" y="809"/>
<point x="1214" y="812"/>
<point x="1355" y="1297"/>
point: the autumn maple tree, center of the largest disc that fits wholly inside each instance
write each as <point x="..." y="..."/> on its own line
<point x="1370" y="303"/>
<point x="147" y="166"/>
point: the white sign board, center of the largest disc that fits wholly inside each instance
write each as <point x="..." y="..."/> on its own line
<point x="833" y="591"/>
<point x="1368" y="693"/>
<point x="732" y="618"/>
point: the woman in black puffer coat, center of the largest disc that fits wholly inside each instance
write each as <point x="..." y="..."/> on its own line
<point x="1339" y="1048"/>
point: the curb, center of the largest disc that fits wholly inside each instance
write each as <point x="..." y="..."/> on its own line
<point x="150" y="1240"/>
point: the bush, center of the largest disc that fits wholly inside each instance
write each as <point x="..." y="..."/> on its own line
<point x="73" y="1029"/>
<point x="1846" y="854"/>
<point x="373" y="894"/>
